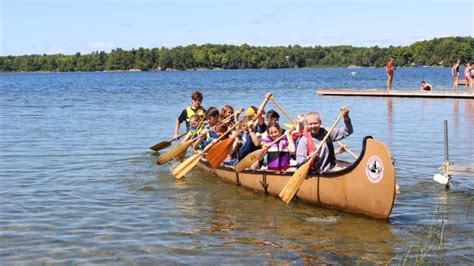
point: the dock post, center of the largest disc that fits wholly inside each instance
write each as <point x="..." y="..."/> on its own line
<point x="446" y="154"/>
<point x="445" y="176"/>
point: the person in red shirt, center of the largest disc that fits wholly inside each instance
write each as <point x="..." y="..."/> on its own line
<point x="467" y="75"/>
<point x="390" y="71"/>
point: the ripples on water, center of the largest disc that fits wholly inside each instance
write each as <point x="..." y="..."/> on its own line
<point x="78" y="184"/>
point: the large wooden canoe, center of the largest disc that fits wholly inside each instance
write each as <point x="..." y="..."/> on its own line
<point x="367" y="186"/>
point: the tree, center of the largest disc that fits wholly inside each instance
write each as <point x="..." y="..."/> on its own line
<point x="438" y="51"/>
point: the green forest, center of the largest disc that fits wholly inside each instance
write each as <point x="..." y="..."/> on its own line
<point x="435" y="52"/>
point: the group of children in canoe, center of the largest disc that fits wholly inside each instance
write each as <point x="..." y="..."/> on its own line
<point x="258" y="129"/>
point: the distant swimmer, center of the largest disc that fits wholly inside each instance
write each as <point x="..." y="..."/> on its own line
<point x="425" y="86"/>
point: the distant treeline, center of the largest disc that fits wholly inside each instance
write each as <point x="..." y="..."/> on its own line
<point x="435" y="52"/>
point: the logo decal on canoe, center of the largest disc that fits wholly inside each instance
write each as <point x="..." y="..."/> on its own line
<point x="374" y="169"/>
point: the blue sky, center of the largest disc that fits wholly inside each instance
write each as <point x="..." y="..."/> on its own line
<point x="70" y="26"/>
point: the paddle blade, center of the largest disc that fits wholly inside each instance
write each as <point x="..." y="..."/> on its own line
<point x="161" y="145"/>
<point x="217" y="154"/>
<point x="249" y="160"/>
<point x="180" y="148"/>
<point x="289" y="126"/>
<point x="187" y="165"/>
<point x="290" y="189"/>
<point x="155" y="153"/>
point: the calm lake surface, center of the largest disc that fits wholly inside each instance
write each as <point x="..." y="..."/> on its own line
<point x="78" y="183"/>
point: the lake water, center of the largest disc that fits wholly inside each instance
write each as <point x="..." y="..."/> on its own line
<point x="78" y="183"/>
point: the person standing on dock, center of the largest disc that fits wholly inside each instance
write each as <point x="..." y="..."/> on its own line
<point x="455" y="72"/>
<point x="467" y="76"/>
<point x="390" y="71"/>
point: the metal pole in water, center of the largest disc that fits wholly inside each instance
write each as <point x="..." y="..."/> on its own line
<point x="445" y="176"/>
<point x="446" y="153"/>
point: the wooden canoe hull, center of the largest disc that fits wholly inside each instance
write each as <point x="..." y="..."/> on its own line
<point x="366" y="187"/>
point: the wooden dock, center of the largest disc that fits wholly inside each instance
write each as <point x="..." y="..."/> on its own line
<point x="396" y="93"/>
<point x="462" y="170"/>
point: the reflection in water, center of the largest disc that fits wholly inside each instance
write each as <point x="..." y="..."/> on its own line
<point x="469" y="113"/>
<point x="350" y="237"/>
<point x="446" y="223"/>
<point x="263" y="225"/>
<point x="456" y="113"/>
<point x="390" y="118"/>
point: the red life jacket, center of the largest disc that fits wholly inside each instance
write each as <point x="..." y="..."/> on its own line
<point x="311" y="148"/>
<point x="296" y="135"/>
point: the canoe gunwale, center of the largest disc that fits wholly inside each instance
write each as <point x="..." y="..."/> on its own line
<point x="349" y="169"/>
<point x="331" y="174"/>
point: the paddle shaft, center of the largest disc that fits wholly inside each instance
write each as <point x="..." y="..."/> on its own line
<point x="189" y="163"/>
<point x="327" y="135"/>
<point x="291" y="119"/>
<point x="223" y="122"/>
<point x="275" y="141"/>
<point x="347" y="149"/>
<point x="220" y="151"/>
<point x="223" y="135"/>
<point x="165" y="144"/>
<point x="182" y="147"/>
<point x="254" y="156"/>
<point x="329" y="131"/>
<point x="282" y="110"/>
<point x="292" y="186"/>
<point x="229" y="140"/>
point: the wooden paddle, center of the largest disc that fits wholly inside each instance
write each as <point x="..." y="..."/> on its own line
<point x="189" y="163"/>
<point x="293" y="121"/>
<point x="219" y="152"/>
<point x="217" y="155"/>
<point x="282" y="110"/>
<point x="290" y="189"/>
<point x="347" y="149"/>
<point x="177" y="150"/>
<point x="254" y="156"/>
<point x="182" y="147"/>
<point x="166" y="144"/>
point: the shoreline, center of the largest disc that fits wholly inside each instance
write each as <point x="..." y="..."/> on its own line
<point x="217" y="69"/>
